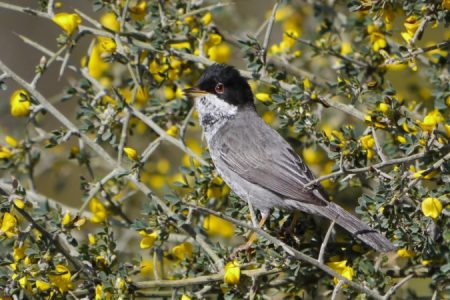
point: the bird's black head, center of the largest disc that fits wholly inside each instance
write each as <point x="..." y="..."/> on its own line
<point x="226" y="83"/>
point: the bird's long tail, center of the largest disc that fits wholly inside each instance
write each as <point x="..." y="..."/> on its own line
<point x="356" y="227"/>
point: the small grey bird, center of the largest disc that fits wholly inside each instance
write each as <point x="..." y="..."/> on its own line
<point x="256" y="162"/>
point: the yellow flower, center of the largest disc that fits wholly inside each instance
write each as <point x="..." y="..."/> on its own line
<point x="107" y="44"/>
<point x="23" y="281"/>
<point x="19" y="203"/>
<point x="185" y="297"/>
<point x="100" y="294"/>
<point x="139" y="10"/>
<point x="11" y="141"/>
<point x="431" y="120"/>
<point x="447" y="129"/>
<point x="207" y="18"/>
<point x="367" y="141"/>
<point x="218" y="226"/>
<point x="384" y="107"/>
<point x="220" y="53"/>
<point x="446" y="4"/>
<point x="172" y="92"/>
<point x="98" y="210"/>
<point x="431" y="207"/>
<point x="232" y="272"/>
<point x="131" y="153"/>
<point x="306" y="84"/>
<point x="346" y="48"/>
<point x="172" y="131"/>
<point x="9" y="225"/>
<point x="341" y="268"/>
<point x="66" y="219"/>
<point x="20" y="103"/>
<point x="263" y="97"/>
<point x="92" y="239"/>
<point x="148" y="239"/>
<point x="96" y="65"/>
<point x="403" y="252"/>
<point x="61" y="278"/>
<point x="19" y="252"/>
<point x="5" y="153"/>
<point x="430" y="175"/>
<point x="68" y="22"/>
<point x="42" y="285"/>
<point x="146" y="267"/>
<point x="401" y="139"/>
<point x="312" y="156"/>
<point x="182" y="251"/>
<point x="376" y="38"/>
<point x="109" y="20"/>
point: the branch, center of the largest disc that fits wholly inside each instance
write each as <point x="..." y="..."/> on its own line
<point x="267" y="35"/>
<point x="365" y="169"/>
<point x="325" y="242"/>
<point x="193" y="281"/>
<point x="292" y="252"/>
<point x="394" y="288"/>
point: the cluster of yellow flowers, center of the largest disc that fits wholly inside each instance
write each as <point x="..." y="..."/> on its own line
<point x="291" y="26"/>
<point x="341" y="268"/>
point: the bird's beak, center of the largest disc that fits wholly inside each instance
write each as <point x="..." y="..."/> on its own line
<point x="192" y="92"/>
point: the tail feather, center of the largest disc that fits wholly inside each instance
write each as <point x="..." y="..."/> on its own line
<point x="356" y="227"/>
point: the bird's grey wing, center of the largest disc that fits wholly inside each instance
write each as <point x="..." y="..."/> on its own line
<point x="260" y="155"/>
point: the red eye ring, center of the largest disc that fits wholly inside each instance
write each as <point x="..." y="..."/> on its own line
<point x="220" y="88"/>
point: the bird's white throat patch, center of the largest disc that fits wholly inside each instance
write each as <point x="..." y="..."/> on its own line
<point x="213" y="112"/>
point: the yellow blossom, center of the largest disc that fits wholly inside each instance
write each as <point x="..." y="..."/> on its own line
<point x="19" y="203"/>
<point x="182" y="251"/>
<point x="131" y="153"/>
<point x="100" y="294"/>
<point x="66" y="219"/>
<point x="401" y="139"/>
<point x="411" y="24"/>
<point x="306" y="84"/>
<point x="341" y="268"/>
<point x="446" y="4"/>
<point x="447" y="129"/>
<point x="185" y="297"/>
<point x="107" y="44"/>
<point x="428" y="176"/>
<point x="11" y="141"/>
<point x="99" y="212"/>
<point x="139" y="10"/>
<point x="431" y="207"/>
<point x="96" y="66"/>
<point x="172" y="131"/>
<point x="20" y="103"/>
<point x="312" y="156"/>
<point x="5" y="153"/>
<point x="163" y="166"/>
<point x="23" y="282"/>
<point x="232" y="272"/>
<point x="263" y="97"/>
<point x="60" y="277"/>
<point x="19" y="252"/>
<point x="172" y="92"/>
<point x="431" y="120"/>
<point x="109" y="20"/>
<point x="146" y="267"/>
<point x="220" y="53"/>
<point x="218" y="226"/>
<point x="148" y="239"/>
<point x="376" y="38"/>
<point x="9" y="225"/>
<point x="92" y="239"/>
<point x="367" y="141"/>
<point x="384" y="107"/>
<point x="68" y="22"/>
<point x="42" y="285"/>
<point x="403" y="252"/>
<point x="207" y="18"/>
<point x="346" y="48"/>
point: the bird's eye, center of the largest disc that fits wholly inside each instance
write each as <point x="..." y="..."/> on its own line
<point x="220" y="88"/>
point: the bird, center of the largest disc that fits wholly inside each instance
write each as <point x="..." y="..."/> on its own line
<point x="256" y="162"/>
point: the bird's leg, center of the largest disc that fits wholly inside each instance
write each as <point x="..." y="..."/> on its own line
<point x="295" y="218"/>
<point x="252" y="238"/>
